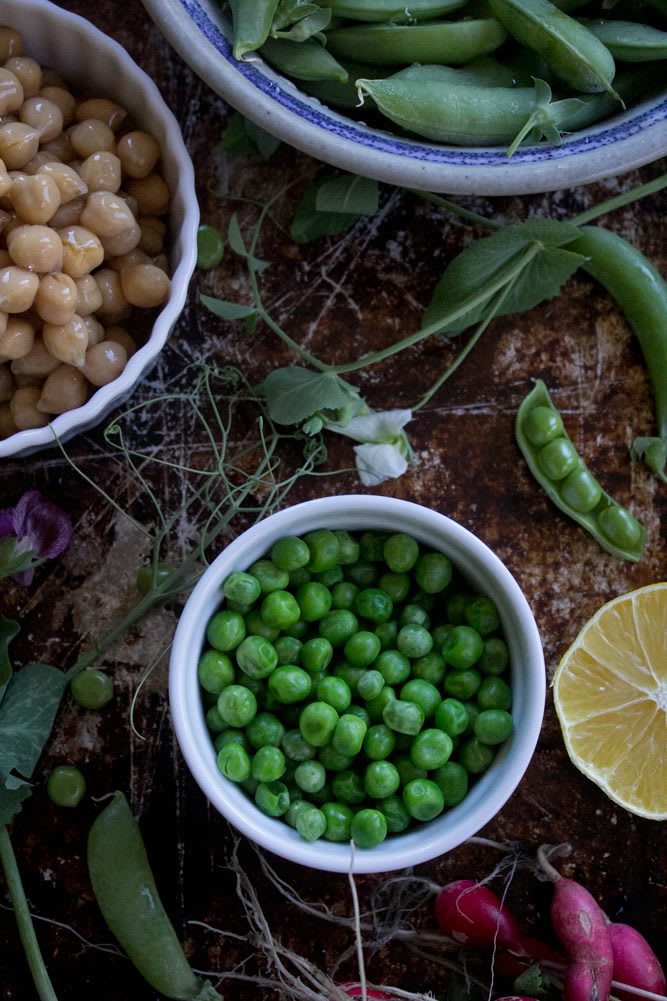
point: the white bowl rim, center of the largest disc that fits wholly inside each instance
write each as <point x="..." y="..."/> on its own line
<point x="274" y="102"/>
<point x="106" y="397"/>
<point x="194" y="740"/>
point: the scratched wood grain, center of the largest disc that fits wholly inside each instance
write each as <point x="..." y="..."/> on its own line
<point x="341" y="297"/>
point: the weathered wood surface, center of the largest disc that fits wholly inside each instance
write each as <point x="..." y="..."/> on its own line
<point x="342" y="296"/>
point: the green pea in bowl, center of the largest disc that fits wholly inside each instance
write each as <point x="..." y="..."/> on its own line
<point x="478" y="570"/>
<point x="624" y="139"/>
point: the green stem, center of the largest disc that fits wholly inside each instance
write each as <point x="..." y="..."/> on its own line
<point x="619" y="201"/>
<point x="455" y="209"/>
<point x="506" y="274"/>
<point x="29" y="941"/>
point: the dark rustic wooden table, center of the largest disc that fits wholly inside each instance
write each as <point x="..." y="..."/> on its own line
<point x="343" y="295"/>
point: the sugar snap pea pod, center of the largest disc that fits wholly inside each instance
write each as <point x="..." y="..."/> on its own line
<point x="484" y="72"/>
<point x="630" y="42"/>
<point x="343" y="95"/>
<point x="125" y="890"/>
<point x="391" y="10"/>
<point x="302" y="60"/>
<point x="641" y="293"/>
<point x="572" y="51"/>
<point x="448" y="42"/>
<point x="251" y="20"/>
<point x="555" y="464"/>
<point x="630" y="84"/>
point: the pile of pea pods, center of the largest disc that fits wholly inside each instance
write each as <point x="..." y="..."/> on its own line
<point x="464" y="72"/>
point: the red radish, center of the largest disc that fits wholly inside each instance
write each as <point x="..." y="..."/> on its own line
<point x="635" y="963"/>
<point x="581" y="927"/>
<point x="354" y="991"/>
<point x="473" y="915"/>
<point x="511" y="966"/>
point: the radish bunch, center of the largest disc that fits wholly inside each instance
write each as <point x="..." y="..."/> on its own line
<point x="597" y="952"/>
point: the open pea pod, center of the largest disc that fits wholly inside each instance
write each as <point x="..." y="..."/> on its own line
<point x="126" y="893"/>
<point x="572" y="51"/>
<point x="555" y="464"/>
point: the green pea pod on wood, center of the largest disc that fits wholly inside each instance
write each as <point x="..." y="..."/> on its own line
<point x="441" y="42"/>
<point x="126" y="893"/>
<point x="251" y="21"/>
<point x="572" y="51"/>
<point x="557" y="467"/>
<point x="630" y="42"/>
<point x="641" y="293"/>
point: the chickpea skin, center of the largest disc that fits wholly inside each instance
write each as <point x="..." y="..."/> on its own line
<point x="68" y="214"/>
<point x="36" y="198"/>
<point x="37" y="248"/>
<point x="11" y="92"/>
<point x="28" y="71"/>
<point x="144" y="285"/>
<point x="18" y="289"/>
<point x="17" y="340"/>
<point x="57" y="298"/>
<point x="62" y="97"/>
<point x="69" y="183"/>
<point x="23" y="406"/>
<point x="65" y="389"/>
<point x="89" y="295"/>
<point x="101" y="172"/>
<point x="68" y="342"/>
<point x="106" y="214"/>
<point x="115" y="306"/>
<point x="123" y="243"/>
<point x="91" y="136"/>
<point x="138" y="153"/>
<point x="44" y="116"/>
<point x="104" y="362"/>
<point x="83" y="251"/>
<point x="18" y="144"/>
<point x="38" y="363"/>
<point x="102" y="110"/>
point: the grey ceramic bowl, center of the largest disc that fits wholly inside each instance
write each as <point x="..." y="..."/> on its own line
<point x="200" y="32"/>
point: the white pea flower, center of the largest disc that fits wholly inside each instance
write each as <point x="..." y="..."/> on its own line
<point x="384" y="451"/>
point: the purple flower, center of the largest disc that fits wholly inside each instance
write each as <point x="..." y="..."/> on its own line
<point x="31" y="532"/>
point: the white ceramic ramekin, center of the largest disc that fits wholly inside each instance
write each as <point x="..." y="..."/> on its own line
<point x="95" y="65"/>
<point x="484" y="572"/>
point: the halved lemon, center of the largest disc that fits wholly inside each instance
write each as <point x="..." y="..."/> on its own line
<point x="610" y="693"/>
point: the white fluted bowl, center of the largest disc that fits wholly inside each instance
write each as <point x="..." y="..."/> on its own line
<point x="483" y="571"/>
<point x="94" y="64"/>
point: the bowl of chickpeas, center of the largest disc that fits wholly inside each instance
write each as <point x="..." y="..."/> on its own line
<point x="98" y="221"/>
<point x="357" y="684"/>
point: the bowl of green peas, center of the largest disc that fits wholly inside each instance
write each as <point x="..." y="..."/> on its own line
<point x="434" y="94"/>
<point x="357" y="682"/>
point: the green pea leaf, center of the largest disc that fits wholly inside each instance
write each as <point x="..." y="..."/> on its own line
<point x="310" y="223"/>
<point x="10" y="802"/>
<point x="243" y="137"/>
<point x="307" y="26"/>
<point x="654" y="453"/>
<point x="27" y="713"/>
<point x="265" y="144"/>
<point x="294" y="394"/>
<point x="348" y="193"/>
<point x="226" y="310"/>
<point x="533" y="980"/>
<point x="235" y="237"/>
<point x="477" y="266"/>
<point x="8" y="630"/>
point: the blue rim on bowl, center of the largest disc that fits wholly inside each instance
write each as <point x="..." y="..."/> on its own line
<point x="198" y="30"/>
<point x="484" y="571"/>
<point x="92" y="61"/>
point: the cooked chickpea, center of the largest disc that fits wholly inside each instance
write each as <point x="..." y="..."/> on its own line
<point x="18" y="289"/>
<point x="5" y="180"/>
<point x="57" y="298"/>
<point x="44" y="116"/>
<point x="144" y="285"/>
<point x="153" y="232"/>
<point x="7" y="425"/>
<point x="94" y="328"/>
<point x="160" y="261"/>
<point x="91" y="136"/>
<point x="120" y="336"/>
<point x="106" y="214"/>
<point x="39" y="159"/>
<point x="11" y="92"/>
<point x="83" y="251"/>
<point x="60" y="148"/>
<point x="103" y="110"/>
<point x="5" y="261"/>
<point x="123" y="243"/>
<point x="69" y="183"/>
<point x="37" y="248"/>
<point x="115" y="306"/>
<point x="135" y="256"/>
<point x="101" y="172"/>
<point x="104" y="362"/>
<point x="29" y="73"/>
<point x="11" y="43"/>
<point x="4" y="320"/>
<point x="68" y="214"/>
<point x="51" y="78"/>
<point x="132" y="203"/>
<point x="37" y="364"/>
<point x="62" y="99"/>
<point x="90" y="297"/>
<point x="18" y="144"/>
<point x="13" y="223"/>
<point x="18" y="339"/>
<point x="7" y="383"/>
<point x="151" y="193"/>
<point x="36" y="199"/>
<point x="138" y="152"/>
<point x="67" y="342"/>
<point x="23" y="406"/>
<point x="65" y="389"/>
